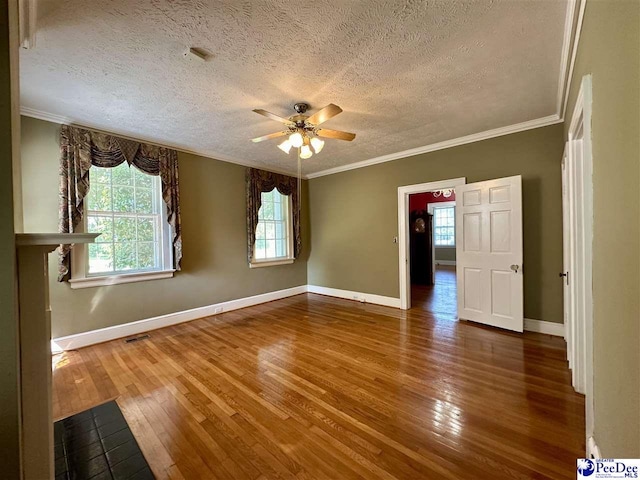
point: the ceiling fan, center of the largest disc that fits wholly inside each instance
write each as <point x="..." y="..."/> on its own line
<point x="303" y="131"/>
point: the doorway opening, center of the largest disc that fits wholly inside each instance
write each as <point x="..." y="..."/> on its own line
<point x="427" y="248"/>
<point x="432" y="244"/>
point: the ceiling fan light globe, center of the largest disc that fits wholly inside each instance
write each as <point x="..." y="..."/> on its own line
<point x="317" y="144"/>
<point x="296" y="139"/>
<point x="285" y="146"/>
<point x="305" y="152"/>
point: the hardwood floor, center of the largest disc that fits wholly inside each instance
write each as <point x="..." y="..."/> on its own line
<point x="317" y="387"/>
<point x="440" y="298"/>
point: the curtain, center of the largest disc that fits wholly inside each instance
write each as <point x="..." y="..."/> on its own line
<point x="80" y="149"/>
<point x="259" y="181"/>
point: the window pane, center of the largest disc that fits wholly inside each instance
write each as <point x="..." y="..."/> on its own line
<point x="100" y="257"/>
<point x="142" y="179"/>
<point x="271" y="248"/>
<point x="281" y="248"/>
<point x="270" y="230"/>
<point x="102" y="225"/>
<point x="122" y="174"/>
<point x="125" y="256"/>
<point x="280" y="230"/>
<point x="99" y="198"/>
<point x="444" y="226"/>
<point x="144" y="200"/>
<point x="124" y="229"/>
<point x="99" y="175"/>
<point x="123" y="199"/>
<point x="260" y="249"/>
<point x="146" y="255"/>
<point x="146" y="230"/>
<point x="267" y="211"/>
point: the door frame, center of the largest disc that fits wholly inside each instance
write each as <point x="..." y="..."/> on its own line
<point x="581" y="330"/>
<point x="403" y="230"/>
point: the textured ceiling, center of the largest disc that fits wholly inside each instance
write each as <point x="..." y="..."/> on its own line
<point x="407" y="73"/>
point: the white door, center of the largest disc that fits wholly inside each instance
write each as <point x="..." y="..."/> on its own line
<point x="489" y="252"/>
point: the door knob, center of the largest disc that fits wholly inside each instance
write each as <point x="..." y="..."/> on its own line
<point x="515" y="268"/>
<point x="562" y="274"/>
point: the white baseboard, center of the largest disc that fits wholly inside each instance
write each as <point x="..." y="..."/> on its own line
<point x="593" y="451"/>
<point x="445" y="262"/>
<point x="358" y="296"/>
<point x="85" y="339"/>
<point x="540" y="326"/>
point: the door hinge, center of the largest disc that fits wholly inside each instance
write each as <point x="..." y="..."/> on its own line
<point x="565" y="275"/>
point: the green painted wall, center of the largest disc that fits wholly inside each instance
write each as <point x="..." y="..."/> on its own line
<point x="9" y="405"/>
<point x="446" y="253"/>
<point x="212" y="196"/>
<point x="354" y="214"/>
<point x="609" y="50"/>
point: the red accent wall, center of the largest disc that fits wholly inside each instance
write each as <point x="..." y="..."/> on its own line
<point x="419" y="201"/>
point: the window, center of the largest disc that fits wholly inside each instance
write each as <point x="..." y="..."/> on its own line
<point x="444" y="226"/>
<point x="273" y="233"/>
<point x="125" y="205"/>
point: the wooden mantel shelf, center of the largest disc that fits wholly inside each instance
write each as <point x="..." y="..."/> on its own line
<point x="32" y="250"/>
<point x="42" y="239"/>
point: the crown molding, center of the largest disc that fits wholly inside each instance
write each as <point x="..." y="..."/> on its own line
<point x="46" y="116"/>
<point x="566" y="53"/>
<point x="62" y="120"/>
<point x="476" y="137"/>
<point x="573" y="52"/>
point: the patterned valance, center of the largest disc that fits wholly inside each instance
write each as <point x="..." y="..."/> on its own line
<point x="80" y="149"/>
<point x="259" y="181"/>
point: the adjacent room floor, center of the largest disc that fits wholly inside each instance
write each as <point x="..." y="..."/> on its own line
<point x="318" y="387"/>
<point x="440" y="298"/>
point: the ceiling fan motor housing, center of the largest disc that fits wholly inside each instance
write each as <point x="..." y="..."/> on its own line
<point x="301" y="107"/>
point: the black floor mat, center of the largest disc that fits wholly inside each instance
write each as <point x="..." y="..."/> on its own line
<point x="97" y="444"/>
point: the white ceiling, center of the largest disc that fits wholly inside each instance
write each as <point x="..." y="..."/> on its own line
<point x="407" y="73"/>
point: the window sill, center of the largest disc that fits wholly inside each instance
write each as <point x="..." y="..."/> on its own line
<point x="271" y="263"/>
<point x="89" y="282"/>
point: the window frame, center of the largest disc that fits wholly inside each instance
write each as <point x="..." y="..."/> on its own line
<point x="80" y="276"/>
<point x="270" y="262"/>
<point x="431" y="207"/>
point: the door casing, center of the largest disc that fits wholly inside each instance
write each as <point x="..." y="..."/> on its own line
<point x="578" y="254"/>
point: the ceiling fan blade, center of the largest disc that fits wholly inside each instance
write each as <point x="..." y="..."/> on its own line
<point x="324" y="132"/>
<point x="268" y="137"/>
<point x="273" y="116"/>
<point x="324" y="114"/>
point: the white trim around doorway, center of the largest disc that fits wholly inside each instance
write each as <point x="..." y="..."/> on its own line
<point x="403" y="230"/>
<point x="579" y="258"/>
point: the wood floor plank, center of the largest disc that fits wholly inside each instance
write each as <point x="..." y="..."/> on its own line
<point x="316" y="387"/>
